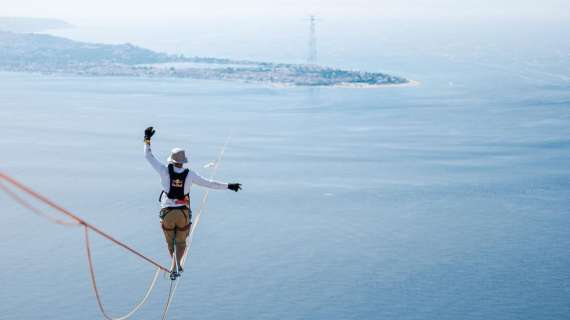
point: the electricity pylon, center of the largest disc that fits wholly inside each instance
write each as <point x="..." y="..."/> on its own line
<point x="312" y="57"/>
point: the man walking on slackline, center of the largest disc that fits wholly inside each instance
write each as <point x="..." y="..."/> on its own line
<point x="175" y="213"/>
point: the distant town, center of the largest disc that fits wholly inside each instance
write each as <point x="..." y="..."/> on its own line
<point x="47" y="54"/>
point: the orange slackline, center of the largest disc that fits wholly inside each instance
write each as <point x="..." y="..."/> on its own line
<point x="50" y="203"/>
<point x="35" y="210"/>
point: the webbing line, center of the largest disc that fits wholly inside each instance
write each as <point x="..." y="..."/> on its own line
<point x="76" y="218"/>
<point x="201" y="209"/>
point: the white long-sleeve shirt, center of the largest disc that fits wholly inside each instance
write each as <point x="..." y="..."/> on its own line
<point x="192" y="178"/>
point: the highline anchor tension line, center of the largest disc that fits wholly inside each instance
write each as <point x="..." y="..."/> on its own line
<point x="76" y="221"/>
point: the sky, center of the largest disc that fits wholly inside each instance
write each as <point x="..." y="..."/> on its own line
<point x="187" y="9"/>
<point x="235" y="29"/>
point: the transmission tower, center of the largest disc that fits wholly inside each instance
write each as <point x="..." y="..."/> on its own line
<point x="312" y="58"/>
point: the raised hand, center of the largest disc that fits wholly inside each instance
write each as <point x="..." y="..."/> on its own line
<point x="148" y="133"/>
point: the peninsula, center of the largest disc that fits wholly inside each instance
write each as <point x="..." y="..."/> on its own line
<point x="42" y="53"/>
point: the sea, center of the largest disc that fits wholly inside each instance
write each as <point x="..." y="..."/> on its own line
<point x="445" y="200"/>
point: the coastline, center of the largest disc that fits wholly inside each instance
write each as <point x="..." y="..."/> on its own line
<point x="275" y="85"/>
<point x="410" y="83"/>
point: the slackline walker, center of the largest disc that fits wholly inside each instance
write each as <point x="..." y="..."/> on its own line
<point x="175" y="213"/>
<point x="178" y="259"/>
<point x="201" y="209"/>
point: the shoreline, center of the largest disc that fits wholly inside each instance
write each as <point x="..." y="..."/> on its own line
<point x="410" y="83"/>
<point x="276" y="85"/>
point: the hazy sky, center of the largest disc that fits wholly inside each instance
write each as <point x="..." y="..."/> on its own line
<point x="181" y="9"/>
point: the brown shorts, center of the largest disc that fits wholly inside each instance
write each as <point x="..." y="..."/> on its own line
<point x="175" y="223"/>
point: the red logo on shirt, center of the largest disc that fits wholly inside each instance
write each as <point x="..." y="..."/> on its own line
<point x="177" y="183"/>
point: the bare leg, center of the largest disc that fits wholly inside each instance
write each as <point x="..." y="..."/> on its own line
<point x="171" y="252"/>
<point x="179" y="255"/>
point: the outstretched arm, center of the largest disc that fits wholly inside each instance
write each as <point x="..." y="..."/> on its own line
<point x="158" y="167"/>
<point x="201" y="181"/>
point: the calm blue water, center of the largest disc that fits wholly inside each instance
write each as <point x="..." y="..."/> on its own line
<point x="444" y="201"/>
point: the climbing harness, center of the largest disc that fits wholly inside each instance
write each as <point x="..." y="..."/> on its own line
<point x="76" y="221"/>
<point x="165" y="211"/>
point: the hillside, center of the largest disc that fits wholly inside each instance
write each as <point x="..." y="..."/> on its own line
<point x="28" y="48"/>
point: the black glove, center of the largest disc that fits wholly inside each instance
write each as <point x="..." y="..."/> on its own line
<point x="234" y="186"/>
<point x="148" y="133"/>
